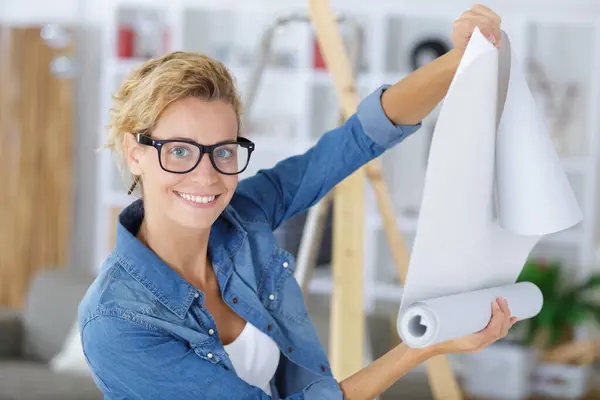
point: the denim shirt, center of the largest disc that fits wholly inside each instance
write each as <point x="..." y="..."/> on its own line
<point x="145" y="332"/>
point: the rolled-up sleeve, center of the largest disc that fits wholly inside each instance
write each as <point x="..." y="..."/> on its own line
<point x="324" y="388"/>
<point x="377" y="125"/>
<point x="298" y="182"/>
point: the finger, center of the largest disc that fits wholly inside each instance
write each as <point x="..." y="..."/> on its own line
<point x="483" y="10"/>
<point x="483" y="20"/>
<point x="506" y="322"/>
<point x="468" y="24"/>
<point x="463" y="30"/>
<point x="489" y="28"/>
<point x="492" y="331"/>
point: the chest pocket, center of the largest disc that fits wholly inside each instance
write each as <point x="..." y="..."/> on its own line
<point x="279" y="291"/>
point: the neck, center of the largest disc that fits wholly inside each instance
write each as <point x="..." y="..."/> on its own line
<point x="184" y="250"/>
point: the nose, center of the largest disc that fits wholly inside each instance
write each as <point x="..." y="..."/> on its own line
<point x="204" y="173"/>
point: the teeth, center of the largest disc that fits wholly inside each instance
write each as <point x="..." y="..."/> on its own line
<point x="197" y="199"/>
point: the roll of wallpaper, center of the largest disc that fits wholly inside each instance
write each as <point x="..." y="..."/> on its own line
<point x="494" y="186"/>
<point x="436" y="320"/>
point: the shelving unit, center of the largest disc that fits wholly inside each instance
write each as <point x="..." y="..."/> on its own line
<point x="297" y="103"/>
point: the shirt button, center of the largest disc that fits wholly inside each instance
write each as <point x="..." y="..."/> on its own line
<point x="211" y="331"/>
<point x="209" y="355"/>
<point x="196" y="295"/>
<point x="285" y="264"/>
<point x="235" y="300"/>
<point x="272" y="297"/>
<point x="323" y="368"/>
<point x="269" y="327"/>
<point x="290" y="349"/>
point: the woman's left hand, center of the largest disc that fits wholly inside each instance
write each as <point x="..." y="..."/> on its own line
<point x="497" y="328"/>
<point x="479" y="16"/>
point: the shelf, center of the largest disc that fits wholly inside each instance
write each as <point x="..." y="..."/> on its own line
<point x="323" y="284"/>
<point x="141" y="4"/>
<point x="407" y="223"/>
<point x="388" y="291"/>
<point x="281" y="75"/>
<point x="321" y="77"/>
<point x="239" y="6"/>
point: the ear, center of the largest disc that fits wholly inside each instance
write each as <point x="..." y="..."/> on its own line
<point x="133" y="154"/>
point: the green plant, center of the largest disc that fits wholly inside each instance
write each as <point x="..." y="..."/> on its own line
<point x="564" y="307"/>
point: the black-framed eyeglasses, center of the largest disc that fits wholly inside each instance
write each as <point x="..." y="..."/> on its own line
<point x="180" y="156"/>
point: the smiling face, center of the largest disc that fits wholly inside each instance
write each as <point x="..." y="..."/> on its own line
<point x="194" y="199"/>
<point x="179" y="96"/>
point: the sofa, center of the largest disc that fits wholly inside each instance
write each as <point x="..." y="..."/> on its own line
<point x="31" y="340"/>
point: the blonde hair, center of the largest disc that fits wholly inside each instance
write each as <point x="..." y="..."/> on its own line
<point x="157" y="83"/>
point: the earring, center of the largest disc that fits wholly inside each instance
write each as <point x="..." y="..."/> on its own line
<point x="135" y="182"/>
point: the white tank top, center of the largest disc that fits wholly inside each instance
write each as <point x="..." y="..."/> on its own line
<point x="255" y="357"/>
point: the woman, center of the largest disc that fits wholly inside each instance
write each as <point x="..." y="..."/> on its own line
<point x="197" y="300"/>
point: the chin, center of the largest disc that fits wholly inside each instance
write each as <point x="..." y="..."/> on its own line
<point x="196" y="222"/>
<point x="197" y="212"/>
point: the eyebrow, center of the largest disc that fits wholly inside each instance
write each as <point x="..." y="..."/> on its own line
<point x="181" y="138"/>
<point x="192" y="140"/>
<point x="175" y="138"/>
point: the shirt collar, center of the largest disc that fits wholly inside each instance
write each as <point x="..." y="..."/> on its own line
<point x="162" y="281"/>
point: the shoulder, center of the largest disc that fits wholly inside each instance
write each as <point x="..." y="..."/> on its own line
<point x="114" y="342"/>
<point x="114" y="295"/>
<point x="113" y="317"/>
<point x="244" y="207"/>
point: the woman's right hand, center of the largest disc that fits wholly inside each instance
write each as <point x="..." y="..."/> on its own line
<point x="500" y="322"/>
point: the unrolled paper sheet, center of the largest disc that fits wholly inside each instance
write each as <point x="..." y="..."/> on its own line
<point x="494" y="186"/>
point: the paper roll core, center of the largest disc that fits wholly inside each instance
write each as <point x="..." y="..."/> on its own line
<point x="418" y="325"/>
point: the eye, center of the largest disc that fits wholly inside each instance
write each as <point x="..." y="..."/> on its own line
<point x="224" y="153"/>
<point x="180" y="151"/>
